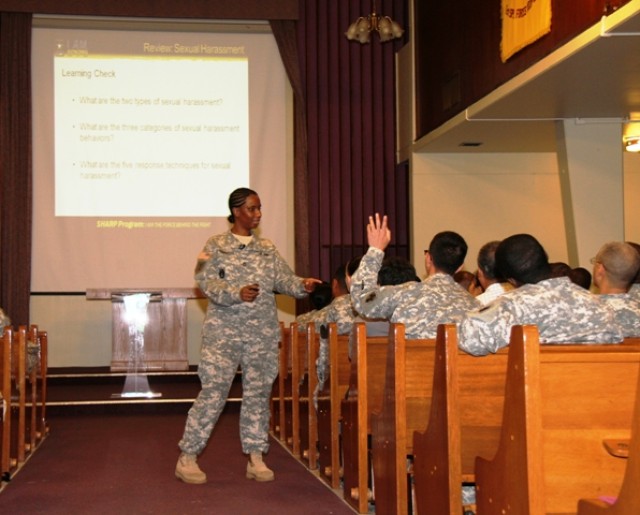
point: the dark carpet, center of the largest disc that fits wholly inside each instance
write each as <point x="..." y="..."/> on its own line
<point x="123" y="463"/>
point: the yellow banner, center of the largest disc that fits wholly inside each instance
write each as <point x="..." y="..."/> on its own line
<point x="523" y="21"/>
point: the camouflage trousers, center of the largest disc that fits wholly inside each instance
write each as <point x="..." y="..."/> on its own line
<point x="258" y="360"/>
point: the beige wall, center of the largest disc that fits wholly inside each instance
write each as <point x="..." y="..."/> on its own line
<point x="486" y="197"/>
<point x="632" y="197"/>
<point x="490" y="196"/>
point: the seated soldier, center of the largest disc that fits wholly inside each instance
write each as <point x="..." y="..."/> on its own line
<point x="341" y="312"/>
<point x="563" y="311"/>
<point x="394" y="270"/>
<point x="422" y="306"/>
<point x="614" y="268"/>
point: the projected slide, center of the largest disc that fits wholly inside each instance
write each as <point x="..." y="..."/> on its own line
<point x="140" y="133"/>
<point x="133" y="134"/>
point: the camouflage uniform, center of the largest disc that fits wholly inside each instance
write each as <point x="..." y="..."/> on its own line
<point x="626" y="311"/>
<point x="634" y="291"/>
<point x="421" y="307"/>
<point x="310" y="316"/>
<point x="563" y="311"/>
<point x="236" y="332"/>
<point x="340" y="312"/>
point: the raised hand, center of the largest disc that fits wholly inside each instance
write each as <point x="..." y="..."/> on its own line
<point x="378" y="233"/>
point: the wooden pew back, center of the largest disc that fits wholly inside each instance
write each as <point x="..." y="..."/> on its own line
<point x="628" y="500"/>
<point x="308" y="412"/>
<point x="366" y="384"/>
<point x="561" y="403"/>
<point x="277" y="425"/>
<point x="299" y="360"/>
<point x="406" y="405"/>
<point x="23" y="392"/>
<point x="329" y="400"/>
<point x="5" y="391"/>
<point x="18" y="396"/>
<point x="41" y="416"/>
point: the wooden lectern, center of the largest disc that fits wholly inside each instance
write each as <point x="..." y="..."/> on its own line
<point x="165" y="335"/>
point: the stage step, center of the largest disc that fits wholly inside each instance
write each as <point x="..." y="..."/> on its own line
<point x="91" y="389"/>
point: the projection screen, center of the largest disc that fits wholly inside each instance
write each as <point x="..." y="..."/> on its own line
<point x="140" y="132"/>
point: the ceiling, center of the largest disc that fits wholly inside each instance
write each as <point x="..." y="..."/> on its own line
<point x="594" y="76"/>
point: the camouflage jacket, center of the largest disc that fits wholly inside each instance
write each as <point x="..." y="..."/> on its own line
<point x="231" y="266"/>
<point x="626" y="311"/>
<point x="421" y="307"/>
<point x="563" y="311"/>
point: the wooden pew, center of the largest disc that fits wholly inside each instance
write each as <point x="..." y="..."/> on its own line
<point x="364" y="396"/>
<point x="5" y="391"/>
<point x="32" y="361"/>
<point x="277" y="424"/>
<point x="299" y="406"/>
<point x="628" y="499"/>
<point x="329" y="400"/>
<point x="18" y="399"/>
<point x="292" y="379"/>
<point x="286" y="379"/>
<point x="41" y="379"/>
<point x="464" y="421"/>
<point x="405" y="409"/>
<point x="23" y="373"/>
<point x="307" y="411"/>
<point x="561" y="403"/>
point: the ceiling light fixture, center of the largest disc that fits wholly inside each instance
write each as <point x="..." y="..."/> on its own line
<point x="632" y="143"/>
<point x="361" y="29"/>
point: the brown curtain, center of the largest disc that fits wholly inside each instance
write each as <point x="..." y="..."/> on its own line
<point x="350" y="99"/>
<point x="15" y="165"/>
<point x="286" y="37"/>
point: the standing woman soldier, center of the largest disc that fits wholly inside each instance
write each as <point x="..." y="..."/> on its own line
<point x="239" y="273"/>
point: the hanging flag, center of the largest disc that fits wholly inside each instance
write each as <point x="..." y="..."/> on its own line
<point x="523" y="22"/>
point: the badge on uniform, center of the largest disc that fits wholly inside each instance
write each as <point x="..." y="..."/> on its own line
<point x="221" y="273"/>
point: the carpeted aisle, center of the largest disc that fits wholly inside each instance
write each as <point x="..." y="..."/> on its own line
<point x="124" y="464"/>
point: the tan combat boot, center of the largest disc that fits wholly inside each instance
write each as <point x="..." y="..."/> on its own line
<point x="256" y="469"/>
<point x="187" y="469"/>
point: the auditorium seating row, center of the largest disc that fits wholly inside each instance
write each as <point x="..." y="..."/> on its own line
<point x="23" y="392"/>
<point x="404" y="424"/>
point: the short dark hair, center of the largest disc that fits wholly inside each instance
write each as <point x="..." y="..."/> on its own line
<point x="487" y="260"/>
<point x="448" y="250"/>
<point x="353" y="265"/>
<point x="340" y="276"/>
<point x="236" y="199"/>
<point x="560" y="269"/>
<point x="321" y="295"/>
<point x="396" y="270"/>
<point x="581" y="276"/>
<point x="522" y="258"/>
